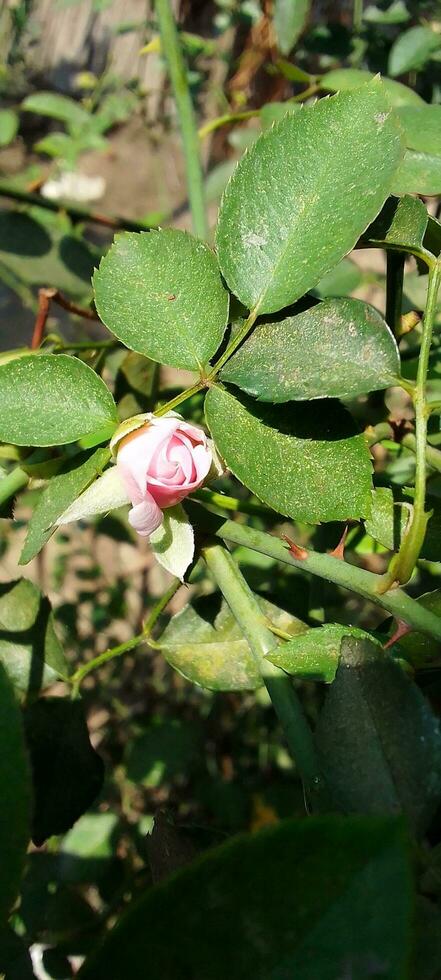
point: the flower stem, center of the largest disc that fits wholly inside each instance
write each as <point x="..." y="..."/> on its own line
<point x="234" y="344"/>
<point x="246" y="611"/>
<point x="403" y="563"/>
<point x="135" y="641"/>
<point x="10" y="484"/>
<point x="179" y="399"/>
<point x="178" y="76"/>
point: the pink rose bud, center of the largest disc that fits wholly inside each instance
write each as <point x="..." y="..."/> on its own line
<point x="160" y="464"/>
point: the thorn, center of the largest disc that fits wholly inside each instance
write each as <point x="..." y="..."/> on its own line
<point x="339" y="550"/>
<point x="401" y="630"/>
<point x="295" y="549"/>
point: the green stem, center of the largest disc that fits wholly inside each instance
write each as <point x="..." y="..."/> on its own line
<point x="384" y="430"/>
<point x="178" y="399"/>
<point x="341" y="573"/>
<point x="234" y="344"/>
<point x="246" y="611"/>
<point x="10" y="484"/>
<point x="225" y="502"/>
<point x="178" y="75"/>
<point x="403" y="563"/>
<point x="357" y="16"/>
<point x="103" y="658"/>
<point x="75" y="212"/>
<point x="228" y="117"/>
<point x="394" y="290"/>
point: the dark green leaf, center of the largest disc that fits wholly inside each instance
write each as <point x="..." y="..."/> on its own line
<point x="418" y="648"/>
<point x="289" y="21"/>
<point x="205" y="644"/>
<point x="314" y="655"/>
<point x="161" y="293"/>
<point x="302" y="196"/>
<point x="58" y="495"/>
<point x="388" y="518"/>
<point x="346" y="79"/>
<point x="412" y="49"/>
<point x="339" y="348"/>
<point x="340" y="281"/>
<point x="422" y="127"/>
<point x="418" y="173"/>
<point x="67" y="772"/>
<point x="303" y="461"/>
<point x="164" y="751"/>
<point x="8" y="126"/>
<point x="379" y="743"/>
<point x="51" y="399"/>
<point x="30" y="650"/>
<point x="402" y="221"/>
<point x="16" y="796"/>
<point x="303" y="899"/>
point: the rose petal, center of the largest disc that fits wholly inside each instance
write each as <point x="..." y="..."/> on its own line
<point x="145" y="517"/>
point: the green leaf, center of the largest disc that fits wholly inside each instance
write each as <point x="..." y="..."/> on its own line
<point x="402" y="221"/>
<point x="396" y="13"/>
<point x="161" y="294"/>
<point x="418" y="648"/>
<point x="379" y="743"/>
<point x="347" y="79"/>
<point x="412" y="49"/>
<point x="106" y="493"/>
<point x="314" y="655"/>
<point x="9" y="123"/>
<point x="303" y="461"/>
<point x="418" y="173"/>
<point x="340" y="281"/>
<point x="57" y="107"/>
<point x="204" y="643"/>
<point x="273" y="112"/>
<point x="15" y="812"/>
<point x="30" y="650"/>
<point x="303" y="194"/>
<point x="301" y="899"/>
<point x="58" y="495"/>
<point x="67" y="773"/>
<point x="339" y="348"/>
<point x="289" y="21"/>
<point x="164" y="751"/>
<point x="422" y="127"/>
<point x="38" y="253"/>
<point x="388" y="518"/>
<point x="52" y="399"/>
<point x="173" y="542"/>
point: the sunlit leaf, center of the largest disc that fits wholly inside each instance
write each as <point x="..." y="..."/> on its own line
<point x="52" y="399"/>
<point x="302" y="196"/>
<point x="161" y="294"/>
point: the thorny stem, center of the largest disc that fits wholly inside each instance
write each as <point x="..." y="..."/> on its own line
<point x="173" y="54"/>
<point x="76" y="679"/>
<point x="343" y="574"/>
<point x="403" y="563"/>
<point x="261" y="641"/>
